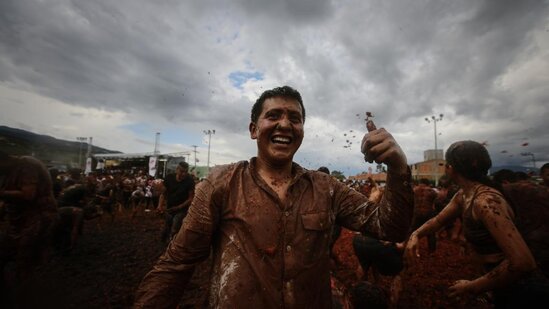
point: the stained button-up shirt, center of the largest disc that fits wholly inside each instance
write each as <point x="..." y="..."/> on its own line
<point x="269" y="253"/>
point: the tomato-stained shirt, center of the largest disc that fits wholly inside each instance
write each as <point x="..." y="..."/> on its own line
<point x="269" y="253"/>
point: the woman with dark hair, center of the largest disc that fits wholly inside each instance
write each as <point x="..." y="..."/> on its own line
<point x="488" y="225"/>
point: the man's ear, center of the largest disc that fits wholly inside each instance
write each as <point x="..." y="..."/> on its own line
<point x="253" y="130"/>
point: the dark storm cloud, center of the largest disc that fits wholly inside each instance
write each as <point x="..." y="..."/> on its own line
<point x="94" y="53"/>
<point x="459" y="52"/>
<point x="401" y="60"/>
<point x="303" y="11"/>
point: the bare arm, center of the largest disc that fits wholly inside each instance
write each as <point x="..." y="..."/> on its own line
<point x="433" y="225"/>
<point x="161" y="207"/>
<point x="496" y="215"/>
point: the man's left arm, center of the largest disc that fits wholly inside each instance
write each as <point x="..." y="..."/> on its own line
<point x="395" y="210"/>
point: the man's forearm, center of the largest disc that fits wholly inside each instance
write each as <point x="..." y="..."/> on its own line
<point x="397" y="206"/>
<point x="164" y="285"/>
<point x="161" y="200"/>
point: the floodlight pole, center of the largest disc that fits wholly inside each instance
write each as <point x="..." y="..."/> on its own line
<point x="194" y="146"/>
<point x="532" y="155"/>
<point x="434" y="120"/>
<point x="80" y="139"/>
<point x="209" y="133"/>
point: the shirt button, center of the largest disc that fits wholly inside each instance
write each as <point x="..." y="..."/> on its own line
<point x="286" y="213"/>
<point x="288" y="248"/>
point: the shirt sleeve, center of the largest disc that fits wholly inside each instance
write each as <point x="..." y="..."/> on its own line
<point x="164" y="285"/>
<point x="389" y="219"/>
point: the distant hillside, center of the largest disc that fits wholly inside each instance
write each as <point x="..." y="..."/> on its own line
<point x="46" y="148"/>
<point x="514" y="168"/>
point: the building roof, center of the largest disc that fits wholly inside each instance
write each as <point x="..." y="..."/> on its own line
<point x="137" y="155"/>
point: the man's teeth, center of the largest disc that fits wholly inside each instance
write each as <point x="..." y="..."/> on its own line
<point x="284" y="140"/>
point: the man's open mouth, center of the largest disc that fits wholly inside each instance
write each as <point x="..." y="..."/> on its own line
<point x="281" y="140"/>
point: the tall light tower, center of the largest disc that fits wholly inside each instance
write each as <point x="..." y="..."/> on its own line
<point x="434" y="120"/>
<point x="90" y="147"/>
<point x="209" y="133"/>
<point x="532" y="155"/>
<point x="156" y="143"/>
<point x="81" y="139"/>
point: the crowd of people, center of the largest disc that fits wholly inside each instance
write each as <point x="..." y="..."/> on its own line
<point x="46" y="211"/>
<point x="269" y="224"/>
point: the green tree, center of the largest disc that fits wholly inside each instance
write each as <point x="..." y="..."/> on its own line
<point x="339" y="175"/>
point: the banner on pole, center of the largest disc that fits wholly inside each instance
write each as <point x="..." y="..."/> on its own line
<point x="152" y="166"/>
<point x="88" y="166"/>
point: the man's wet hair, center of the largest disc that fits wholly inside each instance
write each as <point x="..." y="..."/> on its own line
<point x="286" y="92"/>
<point x="425" y="181"/>
<point x="324" y="169"/>
<point x="183" y="165"/>
<point x="504" y="175"/>
<point x="522" y="176"/>
<point x="544" y="167"/>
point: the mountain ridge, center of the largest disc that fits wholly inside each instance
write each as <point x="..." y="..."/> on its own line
<point x="49" y="149"/>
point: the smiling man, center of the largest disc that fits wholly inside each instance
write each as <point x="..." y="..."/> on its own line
<point x="268" y="221"/>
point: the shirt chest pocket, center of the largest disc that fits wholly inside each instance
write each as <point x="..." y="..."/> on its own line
<point x="316" y="236"/>
<point x="318" y="221"/>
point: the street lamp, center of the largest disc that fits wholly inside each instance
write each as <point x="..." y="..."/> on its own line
<point x="209" y="133"/>
<point x="80" y="139"/>
<point x="530" y="154"/>
<point x="434" y="120"/>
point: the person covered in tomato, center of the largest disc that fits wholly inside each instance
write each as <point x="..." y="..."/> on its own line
<point x="530" y="202"/>
<point x="268" y="221"/>
<point x="544" y="174"/>
<point x="27" y="199"/>
<point x="424" y="208"/>
<point x="488" y="222"/>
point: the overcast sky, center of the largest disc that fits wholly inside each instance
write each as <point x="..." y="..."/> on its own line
<point x="120" y="71"/>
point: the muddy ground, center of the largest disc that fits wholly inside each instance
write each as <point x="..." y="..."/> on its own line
<point x="110" y="259"/>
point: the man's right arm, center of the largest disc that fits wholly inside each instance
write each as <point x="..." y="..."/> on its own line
<point x="164" y="285"/>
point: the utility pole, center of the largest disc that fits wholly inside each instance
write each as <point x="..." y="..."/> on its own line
<point x="194" y="146"/>
<point x="80" y="139"/>
<point x="434" y="120"/>
<point x="209" y="133"/>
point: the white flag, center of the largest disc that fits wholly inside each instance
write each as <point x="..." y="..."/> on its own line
<point x="88" y="166"/>
<point x="152" y="166"/>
